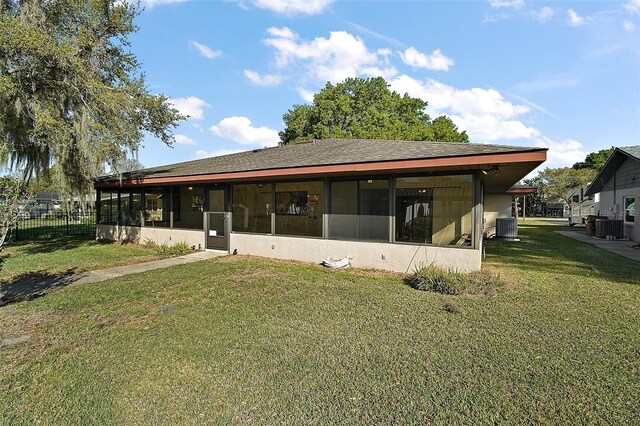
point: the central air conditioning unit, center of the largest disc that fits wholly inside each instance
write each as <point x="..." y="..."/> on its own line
<point x="606" y="227"/>
<point x="507" y="227"/>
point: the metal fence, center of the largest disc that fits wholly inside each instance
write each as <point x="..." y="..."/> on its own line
<point x="54" y="224"/>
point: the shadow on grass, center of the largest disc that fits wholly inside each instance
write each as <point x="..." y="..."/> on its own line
<point x="542" y="249"/>
<point x="33" y="285"/>
<point x="48" y="245"/>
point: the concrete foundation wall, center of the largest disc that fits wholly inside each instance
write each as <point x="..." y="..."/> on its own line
<point x="495" y="206"/>
<point x="392" y="257"/>
<point x="158" y="235"/>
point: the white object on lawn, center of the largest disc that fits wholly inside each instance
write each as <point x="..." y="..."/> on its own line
<point x="337" y="263"/>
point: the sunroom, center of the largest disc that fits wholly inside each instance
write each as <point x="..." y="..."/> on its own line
<point x="386" y="204"/>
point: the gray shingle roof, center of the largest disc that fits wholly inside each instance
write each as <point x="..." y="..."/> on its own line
<point x="322" y="152"/>
<point x="618" y="157"/>
<point x="633" y="151"/>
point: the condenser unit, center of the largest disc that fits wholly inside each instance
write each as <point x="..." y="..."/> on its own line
<point x="606" y="227"/>
<point x="507" y="227"/>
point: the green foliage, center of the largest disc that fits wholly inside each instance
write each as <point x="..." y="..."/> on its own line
<point x="556" y="183"/>
<point x="13" y="191"/>
<point x="178" y="249"/>
<point x="71" y="92"/>
<point x="447" y="281"/>
<point x="595" y="160"/>
<point x="366" y="109"/>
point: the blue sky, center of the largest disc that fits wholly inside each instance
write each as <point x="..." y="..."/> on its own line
<point x="564" y="75"/>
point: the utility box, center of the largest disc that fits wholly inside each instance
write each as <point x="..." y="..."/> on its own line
<point x="605" y="227"/>
<point x="507" y="227"/>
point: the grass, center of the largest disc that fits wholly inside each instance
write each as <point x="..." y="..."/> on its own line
<point x="63" y="255"/>
<point x="248" y="340"/>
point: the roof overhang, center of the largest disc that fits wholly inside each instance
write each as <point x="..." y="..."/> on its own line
<point x="513" y="166"/>
<point x="517" y="190"/>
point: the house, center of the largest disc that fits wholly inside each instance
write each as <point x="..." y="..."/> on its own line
<point x="616" y="189"/>
<point x="387" y="204"/>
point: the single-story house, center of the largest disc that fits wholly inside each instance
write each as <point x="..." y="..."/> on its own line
<point x="387" y="204"/>
<point x="616" y="189"/>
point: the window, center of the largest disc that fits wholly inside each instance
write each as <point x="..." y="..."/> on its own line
<point x="108" y="207"/>
<point x="252" y="206"/>
<point x="360" y="210"/>
<point x="298" y="208"/>
<point x="434" y="210"/>
<point x="130" y="207"/>
<point x="629" y="209"/>
<point x="157" y="207"/>
<point x="188" y="204"/>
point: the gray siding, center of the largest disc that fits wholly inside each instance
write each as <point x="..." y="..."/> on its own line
<point x="627" y="176"/>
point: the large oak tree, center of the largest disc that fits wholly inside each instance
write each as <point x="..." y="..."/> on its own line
<point x="366" y="109"/>
<point x="71" y="91"/>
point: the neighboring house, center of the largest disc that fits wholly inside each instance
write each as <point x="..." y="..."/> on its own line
<point x="388" y="204"/>
<point x="616" y="189"/>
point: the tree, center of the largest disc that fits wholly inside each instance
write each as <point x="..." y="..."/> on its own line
<point x="71" y="92"/>
<point x="557" y="182"/>
<point x="12" y="192"/>
<point x="366" y="109"/>
<point x="595" y="160"/>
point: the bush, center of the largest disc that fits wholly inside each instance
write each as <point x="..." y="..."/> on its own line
<point x="178" y="249"/>
<point x="447" y="281"/>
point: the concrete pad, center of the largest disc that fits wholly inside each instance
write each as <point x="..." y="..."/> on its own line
<point x="621" y="247"/>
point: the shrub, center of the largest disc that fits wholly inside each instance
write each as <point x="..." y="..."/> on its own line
<point x="180" y="249"/>
<point x="163" y="249"/>
<point x="447" y="281"/>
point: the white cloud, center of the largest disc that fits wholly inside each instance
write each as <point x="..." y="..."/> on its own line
<point x="557" y="81"/>
<point x="150" y="4"/>
<point x="191" y="106"/>
<point x="563" y="153"/>
<point x="574" y="19"/>
<point x="628" y="26"/>
<point x="515" y="4"/>
<point x="184" y="140"/>
<point x="294" y="7"/>
<point x="484" y="113"/>
<point x="263" y="80"/>
<point x="633" y="6"/>
<point x="217" y="153"/>
<point x="283" y="32"/>
<point x="306" y="95"/>
<point x="377" y="35"/>
<point x="542" y="15"/>
<point x="332" y="59"/>
<point x="205" y="50"/>
<point x="240" y="130"/>
<point x="437" y="61"/>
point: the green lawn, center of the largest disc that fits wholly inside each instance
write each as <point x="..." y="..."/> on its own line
<point x="248" y="340"/>
<point x="67" y="254"/>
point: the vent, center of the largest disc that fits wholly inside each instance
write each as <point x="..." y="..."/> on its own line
<point x="507" y="227"/>
<point x="606" y="227"/>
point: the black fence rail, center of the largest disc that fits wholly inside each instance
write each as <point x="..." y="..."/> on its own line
<point x="54" y="224"/>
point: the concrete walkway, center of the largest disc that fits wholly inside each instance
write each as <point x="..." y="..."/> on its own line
<point x="33" y="286"/>
<point x="623" y="248"/>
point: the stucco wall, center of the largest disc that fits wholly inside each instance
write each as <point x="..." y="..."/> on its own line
<point x="158" y="235"/>
<point x="495" y="206"/>
<point x="392" y="257"/>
